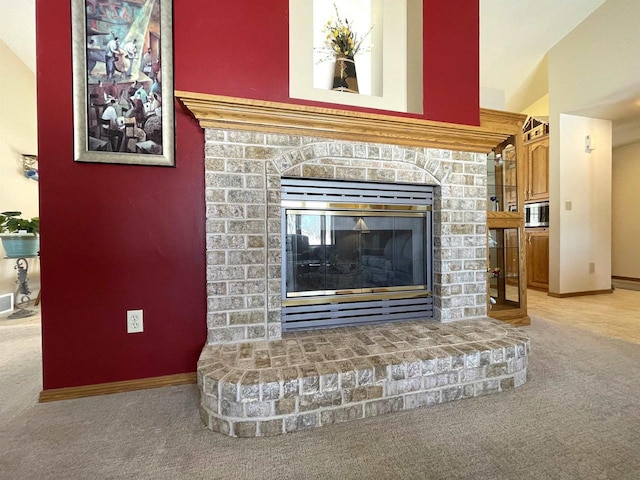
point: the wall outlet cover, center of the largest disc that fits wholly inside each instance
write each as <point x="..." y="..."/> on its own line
<point x="134" y="321"/>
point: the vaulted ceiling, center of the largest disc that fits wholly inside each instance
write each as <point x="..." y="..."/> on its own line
<point x="18" y="29"/>
<point x="515" y="35"/>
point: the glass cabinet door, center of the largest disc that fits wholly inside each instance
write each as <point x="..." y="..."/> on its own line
<point x="506" y="258"/>
<point x="502" y="184"/>
<point x="504" y="268"/>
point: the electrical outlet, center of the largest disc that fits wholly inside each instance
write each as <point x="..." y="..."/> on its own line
<point x="592" y="267"/>
<point x="134" y="321"/>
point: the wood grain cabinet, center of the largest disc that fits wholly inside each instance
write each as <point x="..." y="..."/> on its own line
<point x="512" y="256"/>
<point x="506" y="264"/>
<point x="536" y="173"/>
<point x="505" y="279"/>
<point x="511" y="178"/>
<point x="537" y="248"/>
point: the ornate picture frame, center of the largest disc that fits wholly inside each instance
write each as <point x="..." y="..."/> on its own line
<point x="123" y="82"/>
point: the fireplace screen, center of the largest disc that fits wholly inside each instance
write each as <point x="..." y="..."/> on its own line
<point x="355" y="252"/>
<point x="336" y="252"/>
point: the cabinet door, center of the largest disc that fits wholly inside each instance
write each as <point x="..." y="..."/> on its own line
<point x="538" y="259"/>
<point x="512" y="257"/>
<point x="538" y="178"/>
<point x="511" y="194"/>
<point x="504" y="270"/>
<point x="510" y="176"/>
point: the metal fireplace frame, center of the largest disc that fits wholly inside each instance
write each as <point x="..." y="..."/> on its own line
<point x="324" y="309"/>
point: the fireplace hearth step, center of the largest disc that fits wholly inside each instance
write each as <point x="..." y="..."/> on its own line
<point x="322" y="377"/>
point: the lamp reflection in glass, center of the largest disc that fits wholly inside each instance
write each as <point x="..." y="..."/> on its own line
<point x="361" y="226"/>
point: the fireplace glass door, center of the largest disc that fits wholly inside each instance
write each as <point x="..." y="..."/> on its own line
<point x="338" y="252"/>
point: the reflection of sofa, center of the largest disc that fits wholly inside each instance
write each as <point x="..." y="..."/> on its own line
<point x="321" y="268"/>
<point x="392" y="266"/>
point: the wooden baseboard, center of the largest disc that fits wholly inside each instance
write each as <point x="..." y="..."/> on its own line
<point x="579" y="294"/>
<point x="537" y="289"/>
<point x="627" y="279"/>
<point x="55" y="394"/>
<point x="518" y="319"/>
<point x="519" y="322"/>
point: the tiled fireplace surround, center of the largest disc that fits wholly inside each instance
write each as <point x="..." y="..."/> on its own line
<point x="256" y="381"/>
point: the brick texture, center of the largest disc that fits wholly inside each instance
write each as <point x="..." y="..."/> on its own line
<point x="243" y="171"/>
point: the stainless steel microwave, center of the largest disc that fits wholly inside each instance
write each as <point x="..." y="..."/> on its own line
<point x="536" y="214"/>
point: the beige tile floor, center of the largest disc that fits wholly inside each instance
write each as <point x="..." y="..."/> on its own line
<point x="615" y="315"/>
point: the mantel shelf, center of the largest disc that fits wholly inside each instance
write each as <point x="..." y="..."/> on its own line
<point x="214" y="111"/>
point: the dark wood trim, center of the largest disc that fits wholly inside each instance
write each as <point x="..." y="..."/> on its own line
<point x="627" y="279"/>
<point x="55" y="394"/>
<point x="579" y="294"/>
<point x="215" y="111"/>
<point x="537" y="289"/>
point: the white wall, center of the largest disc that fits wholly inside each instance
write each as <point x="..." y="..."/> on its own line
<point x="533" y="87"/>
<point x="584" y="226"/>
<point x="625" y="212"/>
<point x="492" y="98"/>
<point x="597" y="59"/>
<point x="18" y="132"/>
<point x="625" y="132"/>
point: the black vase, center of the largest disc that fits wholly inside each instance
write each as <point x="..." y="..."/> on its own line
<point x="344" y="76"/>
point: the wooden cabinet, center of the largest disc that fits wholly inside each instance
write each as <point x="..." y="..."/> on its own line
<point x="537" y="174"/>
<point x="512" y="256"/>
<point x="511" y="176"/>
<point x="506" y="265"/>
<point x="502" y="178"/>
<point x="506" y="274"/>
<point x="536" y="154"/>
<point x="536" y="188"/>
<point x="537" y="249"/>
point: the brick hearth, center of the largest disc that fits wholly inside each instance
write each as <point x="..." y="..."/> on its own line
<point x="322" y="377"/>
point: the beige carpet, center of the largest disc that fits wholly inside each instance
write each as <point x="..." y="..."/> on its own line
<point x="578" y="417"/>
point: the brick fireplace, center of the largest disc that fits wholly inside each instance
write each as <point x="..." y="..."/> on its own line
<point x="244" y="261"/>
<point x="248" y="366"/>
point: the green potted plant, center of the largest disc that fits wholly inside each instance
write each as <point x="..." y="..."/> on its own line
<point x="20" y="237"/>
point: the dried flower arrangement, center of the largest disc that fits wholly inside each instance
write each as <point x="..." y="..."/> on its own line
<point x="341" y="39"/>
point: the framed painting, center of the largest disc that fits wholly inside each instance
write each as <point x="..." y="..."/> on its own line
<point x="123" y="81"/>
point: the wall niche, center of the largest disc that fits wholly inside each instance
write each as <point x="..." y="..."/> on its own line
<point x="388" y="65"/>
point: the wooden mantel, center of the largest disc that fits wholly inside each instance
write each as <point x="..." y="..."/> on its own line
<point x="214" y="111"/>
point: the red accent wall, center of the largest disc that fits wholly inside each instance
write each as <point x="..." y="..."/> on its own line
<point x="116" y="237"/>
<point x="451" y="55"/>
<point x="240" y="49"/>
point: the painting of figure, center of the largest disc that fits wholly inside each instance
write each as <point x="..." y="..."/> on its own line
<point x="120" y="83"/>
